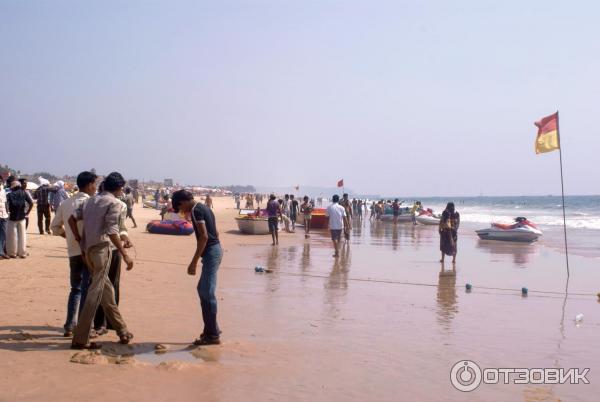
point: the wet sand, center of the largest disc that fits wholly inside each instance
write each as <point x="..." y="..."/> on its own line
<point x="383" y="322"/>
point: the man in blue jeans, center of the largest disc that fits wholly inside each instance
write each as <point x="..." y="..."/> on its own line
<point x="79" y="277"/>
<point x="209" y="248"/>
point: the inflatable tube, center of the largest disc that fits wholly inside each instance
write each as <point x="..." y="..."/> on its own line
<point x="179" y="228"/>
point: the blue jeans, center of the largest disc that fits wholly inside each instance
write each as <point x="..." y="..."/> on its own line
<point x="207" y="287"/>
<point x="2" y="234"/>
<point x="80" y="279"/>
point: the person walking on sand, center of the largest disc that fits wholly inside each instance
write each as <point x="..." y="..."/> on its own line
<point x="3" y="220"/>
<point x="79" y="275"/>
<point x="273" y="213"/>
<point x="42" y="197"/>
<point x="23" y="182"/>
<point x="306" y="210"/>
<point x="448" y="230"/>
<point x="129" y="201"/>
<point x="209" y="249"/>
<point x="18" y="204"/>
<point x="337" y="221"/>
<point x="101" y="325"/>
<point x="100" y="215"/>
<point x="208" y="201"/>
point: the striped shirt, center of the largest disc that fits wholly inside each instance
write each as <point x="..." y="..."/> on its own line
<point x="41" y="195"/>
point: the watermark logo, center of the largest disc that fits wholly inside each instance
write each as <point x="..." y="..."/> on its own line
<point x="466" y="376"/>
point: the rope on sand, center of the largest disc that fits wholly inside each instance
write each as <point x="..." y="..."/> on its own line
<point x="538" y="293"/>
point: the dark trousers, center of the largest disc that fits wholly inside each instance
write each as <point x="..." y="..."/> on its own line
<point x="43" y="211"/>
<point x="2" y="235"/>
<point x="114" y="276"/>
<point x="80" y="279"/>
<point x="207" y="287"/>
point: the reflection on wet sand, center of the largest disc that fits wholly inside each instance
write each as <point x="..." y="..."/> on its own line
<point x="336" y="286"/>
<point x="305" y="260"/>
<point x="446" y="297"/>
<point x="522" y="252"/>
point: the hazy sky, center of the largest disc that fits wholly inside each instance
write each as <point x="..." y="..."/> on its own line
<point x="396" y="97"/>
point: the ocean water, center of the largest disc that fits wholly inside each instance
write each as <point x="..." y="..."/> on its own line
<point x="582" y="217"/>
<point x="582" y="212"/>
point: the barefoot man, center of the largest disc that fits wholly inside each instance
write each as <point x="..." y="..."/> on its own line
<point x="337" y="221"/>
<point x="209" y="248"/>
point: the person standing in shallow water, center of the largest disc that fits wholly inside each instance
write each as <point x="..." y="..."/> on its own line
<point x="448" y="230"/>
<point x="208" y="247"/>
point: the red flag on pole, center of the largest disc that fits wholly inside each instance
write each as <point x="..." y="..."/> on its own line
<point x="341" y="183"/>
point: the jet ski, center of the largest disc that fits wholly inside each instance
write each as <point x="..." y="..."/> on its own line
<point x="521" y="230"/>
<point x="427" y="217"/>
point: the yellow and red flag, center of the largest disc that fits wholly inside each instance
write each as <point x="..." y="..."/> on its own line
<point x="341" y="183"/>
<point x="547" y="137"/>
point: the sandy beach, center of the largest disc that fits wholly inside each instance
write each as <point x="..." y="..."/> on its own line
<point x="383" y="322"/>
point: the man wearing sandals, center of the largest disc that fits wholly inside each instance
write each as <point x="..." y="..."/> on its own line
<point x="100" y="216"/>
<point x="209" y="248"/>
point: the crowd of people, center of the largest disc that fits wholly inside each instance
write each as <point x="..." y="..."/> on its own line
<point x="343" y="212"/>
<point x="92" y="221"/>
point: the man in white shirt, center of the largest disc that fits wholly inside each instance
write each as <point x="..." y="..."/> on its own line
<point x="80" y="277"/>
<point x="337" y="220"/>
<point x="3" y="219"/>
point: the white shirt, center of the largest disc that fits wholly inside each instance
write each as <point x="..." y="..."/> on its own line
<point x="3" y="212"/>
<point x="60" y="222"/>
<point x="336" y="214"/>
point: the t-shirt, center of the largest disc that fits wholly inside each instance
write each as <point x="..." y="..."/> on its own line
<point x="336" y="214"/>
<point x="294" y="207"/>
<point x="201" y="213"/>
<point x="273" y="208"/>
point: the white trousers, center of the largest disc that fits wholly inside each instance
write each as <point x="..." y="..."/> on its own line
<point x="16" y="238"/>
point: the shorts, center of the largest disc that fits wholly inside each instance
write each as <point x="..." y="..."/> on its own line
<point x="273" y="224"/>
<point x="336" y="234"/>
<point x="293" y="217"/>
<point x="307" y="217"/>
<point x="129" y="213"/>
<point x="396" y="213"/>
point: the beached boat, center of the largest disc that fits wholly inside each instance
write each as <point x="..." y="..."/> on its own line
<point x="249" y="222"/>
<point x="169" y="227"/>
<point x="152" y="204"/>
<point x="520" y="231"/>
<point x="319" y="219"/>
<point x="428" y="220"/>
<point x="427" y="217"/>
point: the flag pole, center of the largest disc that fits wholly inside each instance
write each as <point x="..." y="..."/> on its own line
<point x="562" y="187"/>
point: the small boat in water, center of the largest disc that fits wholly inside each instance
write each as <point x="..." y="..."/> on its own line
<point x="253" y="222"/>
<point x="521" y="231"/>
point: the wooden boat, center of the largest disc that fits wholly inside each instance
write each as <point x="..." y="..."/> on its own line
<point x="249" y="222"/>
